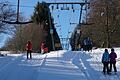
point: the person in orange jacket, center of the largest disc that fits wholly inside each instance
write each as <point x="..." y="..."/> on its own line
<point x="29" y="49"/>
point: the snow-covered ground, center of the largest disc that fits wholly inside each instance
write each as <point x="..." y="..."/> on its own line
<point x="57" y="65"/>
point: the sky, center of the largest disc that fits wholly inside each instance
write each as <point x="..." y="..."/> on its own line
<point x="62" y="23"/>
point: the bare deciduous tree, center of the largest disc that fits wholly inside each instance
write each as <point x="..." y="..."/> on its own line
<point x="105" y="14"/>
<point x="6" y="13"/>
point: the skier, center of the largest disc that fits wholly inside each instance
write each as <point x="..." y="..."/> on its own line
<point x="85" y="44"/>
<point x="89" y="44"/>
<point x="113" y="57"/>
<point x="29" y="49"/>
<point x="44" y="48"/>
<point x="105" y="61"/>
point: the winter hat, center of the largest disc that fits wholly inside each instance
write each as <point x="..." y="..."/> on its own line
<point x="106" y="50"/>
<point x="112" y="49"/>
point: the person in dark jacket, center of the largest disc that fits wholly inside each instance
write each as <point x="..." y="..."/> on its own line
<point x="105" y="61"/>
<point x="113" y="57"/>
<point x="29" y="49"/>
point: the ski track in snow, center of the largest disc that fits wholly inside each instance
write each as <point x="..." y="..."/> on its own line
<point x="57" y="65"/>
<point x="60" y="68"/>
<point x="20" y="69"/>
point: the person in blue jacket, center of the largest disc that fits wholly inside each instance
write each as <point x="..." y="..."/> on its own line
<point x="105" y="61"/>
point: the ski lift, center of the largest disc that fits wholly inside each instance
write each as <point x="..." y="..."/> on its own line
<point x="73" y="10"/>
<point x="58" y="15"/>
<point x="52" y="7"/>
<point x="58" y="26"/>
<point x="85" y="8"/>
<point x="72" y="6"/>
<point x="57" y="6"/>
<point x="62" y="8"/>
<point x="88" y="6"/>
<point x="65" y="7"/>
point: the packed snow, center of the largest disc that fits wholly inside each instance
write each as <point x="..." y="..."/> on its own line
<point x="56" y="65"/>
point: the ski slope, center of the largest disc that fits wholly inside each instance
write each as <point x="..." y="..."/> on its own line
<point x="57" y="65"/>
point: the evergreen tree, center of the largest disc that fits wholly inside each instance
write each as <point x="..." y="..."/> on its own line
<point x="42" y="16"/>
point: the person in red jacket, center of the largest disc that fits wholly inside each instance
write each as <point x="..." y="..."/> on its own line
<point x="29" y="49"/>
<point x="113" y="57"/>
<point x="44" y="48"/>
